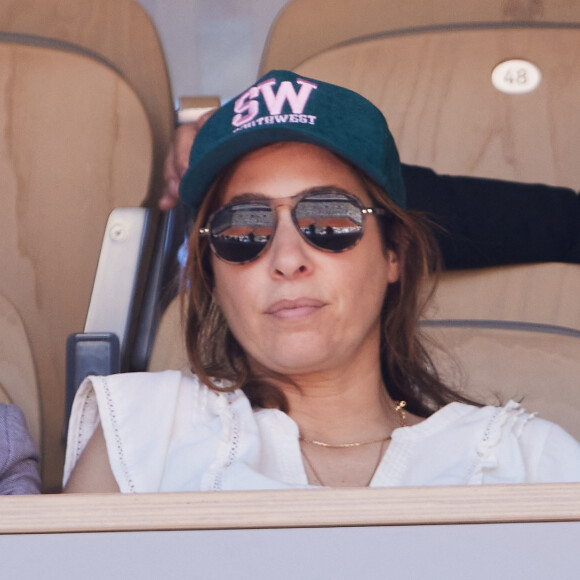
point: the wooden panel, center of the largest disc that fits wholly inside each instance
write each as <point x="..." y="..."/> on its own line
<point x="75" y="142"/>
<point x="291" y="508"/>
<point x="308" y="27"/>
<point x="120" y="32"/>
<point x="435" y="90"/>
<point x="332" y="533"/>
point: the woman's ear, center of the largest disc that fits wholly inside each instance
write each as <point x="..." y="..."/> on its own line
<point x="214" y="296"/>
<point x="393" y="265"/>
<point x="396" y="251"/>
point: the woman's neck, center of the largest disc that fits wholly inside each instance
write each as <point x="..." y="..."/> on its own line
<point x="345" y="427"/>
<point x="339" y="408"/>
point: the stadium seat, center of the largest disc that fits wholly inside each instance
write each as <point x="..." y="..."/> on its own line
<point x="86" y="119"/>
<point x="428" y="67"/>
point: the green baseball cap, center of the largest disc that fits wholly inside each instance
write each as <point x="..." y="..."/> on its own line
<point x="284" y="106"/>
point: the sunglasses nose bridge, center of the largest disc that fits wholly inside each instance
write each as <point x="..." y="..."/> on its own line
<point x="280" y="202"/>
<point x="283" y="215"/>
<point x="283" y="206"/>
<point x="288" y="253"/>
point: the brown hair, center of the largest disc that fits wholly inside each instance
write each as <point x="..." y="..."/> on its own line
<point x="407" y="370"/>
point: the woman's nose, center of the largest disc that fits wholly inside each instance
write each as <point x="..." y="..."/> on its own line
<point x="289" y="254"/>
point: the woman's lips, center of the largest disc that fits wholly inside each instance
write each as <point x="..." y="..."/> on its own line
<point x="293" y="309"/>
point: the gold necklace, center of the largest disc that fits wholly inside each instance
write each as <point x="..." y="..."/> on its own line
<point x="399" y="408"/>
<point x="319" y="479"/>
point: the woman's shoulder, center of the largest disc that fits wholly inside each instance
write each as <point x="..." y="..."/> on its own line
<point x="511" y="417"/>
<point x="458" y="415"/>
<point x="498" y="444"/>
<point x="145" y="414"/>
<point x="490" y="425"/>
<point x="149" y="386"/>
<point x="146" y="380"/>
<point x="137" y="396"/>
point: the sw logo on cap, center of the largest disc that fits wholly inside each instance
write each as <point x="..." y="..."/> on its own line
<point x="283" y="106"/>
<point x="247" y="105"/>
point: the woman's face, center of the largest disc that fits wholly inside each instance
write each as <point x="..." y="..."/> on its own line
<point x="298" y="310"/>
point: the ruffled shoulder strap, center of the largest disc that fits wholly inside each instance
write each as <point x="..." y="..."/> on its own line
<point x="504" y="428"/>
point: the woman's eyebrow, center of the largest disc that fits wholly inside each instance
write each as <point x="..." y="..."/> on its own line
<point x="308" y="191"/>
<point x="324" y="189"/>
<point x="249" y="197"/>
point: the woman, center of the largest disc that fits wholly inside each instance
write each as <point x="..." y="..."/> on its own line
<point x="302" y="292"/>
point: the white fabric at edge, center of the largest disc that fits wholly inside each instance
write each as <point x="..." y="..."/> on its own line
<point x="168" y="432"/>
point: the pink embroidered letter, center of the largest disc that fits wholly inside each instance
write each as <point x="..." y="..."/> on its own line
<point x="243" y="105"/>
<point x="286" y="92"/>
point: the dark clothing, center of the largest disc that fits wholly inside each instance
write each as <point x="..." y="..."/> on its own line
<point x="489" y="222"/>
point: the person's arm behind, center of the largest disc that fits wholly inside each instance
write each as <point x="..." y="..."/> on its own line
<point x="490" y="222"/>
<point x="177" y="160"/>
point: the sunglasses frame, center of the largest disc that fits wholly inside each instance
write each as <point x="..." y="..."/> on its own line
<point x="291" y="202"/>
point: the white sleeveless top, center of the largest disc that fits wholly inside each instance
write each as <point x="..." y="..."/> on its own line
<point x="168" y="432"/>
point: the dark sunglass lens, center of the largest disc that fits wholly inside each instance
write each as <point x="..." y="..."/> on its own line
<point x="239" y="232"/>
<point x="331" y="221"/>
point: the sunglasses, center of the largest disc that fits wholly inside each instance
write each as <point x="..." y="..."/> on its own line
<point x="329" y="219"/>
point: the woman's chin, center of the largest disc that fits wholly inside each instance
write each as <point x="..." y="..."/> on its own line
<point x="297" y="360"/>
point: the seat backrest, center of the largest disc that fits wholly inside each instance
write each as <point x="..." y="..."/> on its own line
<point x="429" y="66"/>
<point x="77" y="141"/>
<point x="515" y="330"/>
<point x="169" y="350"/>
<point x="493" y="361"/>
<point x="532" y="293"/>
<point x="117" y="32"/>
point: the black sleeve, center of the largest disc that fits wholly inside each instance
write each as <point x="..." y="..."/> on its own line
<point x="488" y="222"/>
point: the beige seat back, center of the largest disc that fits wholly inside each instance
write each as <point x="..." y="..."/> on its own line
<point x="169" y="348"/>
<point x="535" y="293"/>
<point x="428" y="66"/>
<point x="76" y="142"/>
<point x="117" y="32"/>
<point x="494" y="362"/>
<point x="87" y="117"/>
<point x="515" y="332"/>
